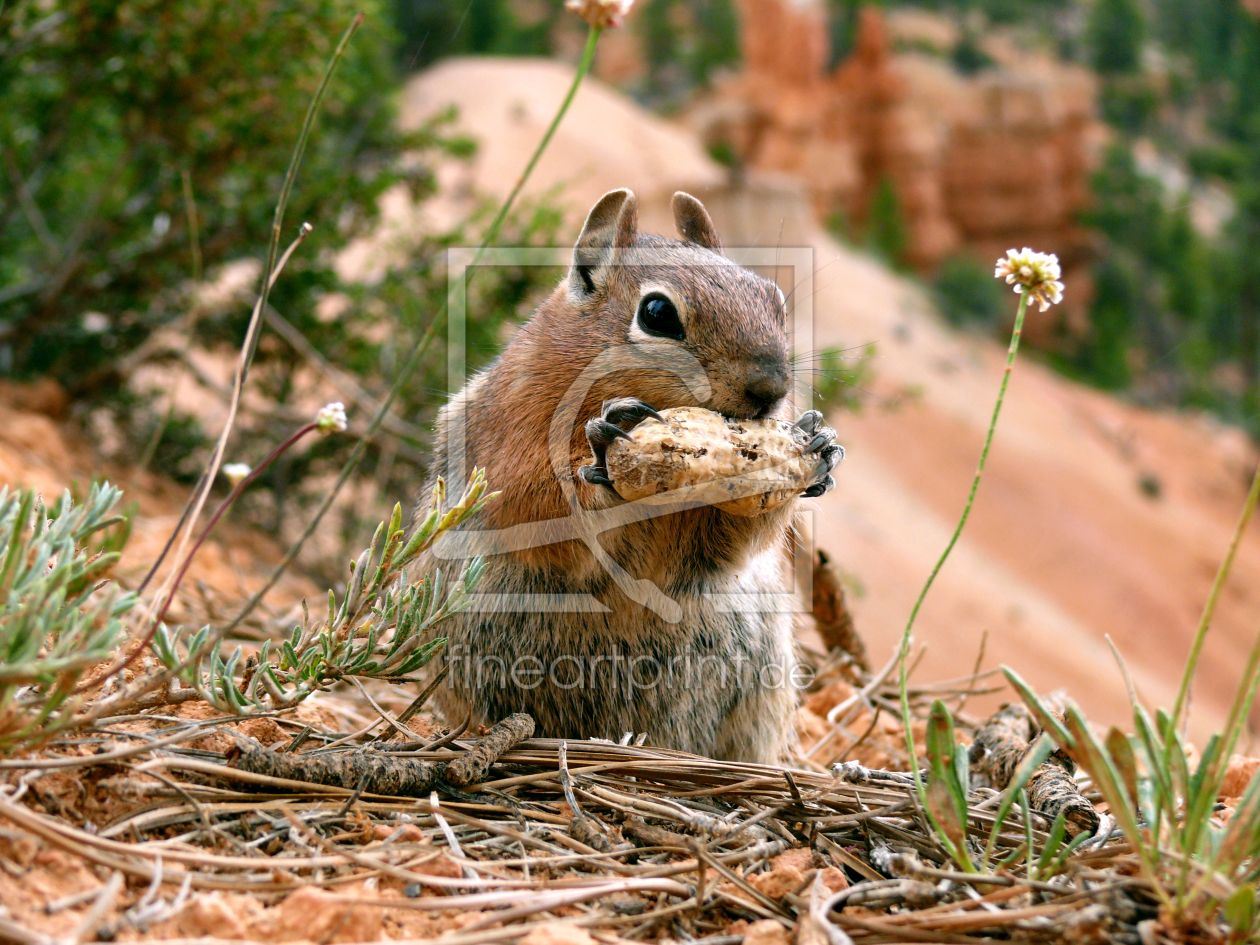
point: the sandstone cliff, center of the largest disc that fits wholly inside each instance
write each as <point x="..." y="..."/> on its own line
<point x="978" y="163"/>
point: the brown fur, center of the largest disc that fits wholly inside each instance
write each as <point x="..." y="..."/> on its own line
<point x="735" y="333"/>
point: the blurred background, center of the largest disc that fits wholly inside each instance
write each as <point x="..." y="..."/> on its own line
<point x="907" y="145"/>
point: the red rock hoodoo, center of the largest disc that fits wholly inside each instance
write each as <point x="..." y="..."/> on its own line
<point x="978" y="163"/>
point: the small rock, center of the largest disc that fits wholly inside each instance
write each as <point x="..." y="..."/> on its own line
<point x="210" y="914"/>
<point x="440" y="865"/>
<point x="409" y="833"/>
<point x="263" y="731"/>
<point x="1238" y="774"/>
<point x="786" y="874"/>
<point x="834" y="879"/>
<point x="312" y="914"/>
<point x="558" y="933"/>
<point x="766" y="932"/>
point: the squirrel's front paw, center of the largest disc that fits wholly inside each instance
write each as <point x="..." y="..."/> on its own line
<point x="617" y="417"/>
<point x="822" y="441"/>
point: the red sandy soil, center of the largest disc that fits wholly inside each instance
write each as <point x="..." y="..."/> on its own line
<point x="39" y="449"/>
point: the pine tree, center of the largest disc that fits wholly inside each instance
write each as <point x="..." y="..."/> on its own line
<point x="1116" y="32"/>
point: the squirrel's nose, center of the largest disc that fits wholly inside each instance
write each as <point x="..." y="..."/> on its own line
<point x="767" y="380"/>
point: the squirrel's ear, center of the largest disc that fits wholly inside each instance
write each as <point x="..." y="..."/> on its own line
<point x="612" y="224"/>
<point x="694" y="223"/>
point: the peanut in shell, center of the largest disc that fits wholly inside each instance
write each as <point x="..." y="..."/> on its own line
<point x="692" y="446"/>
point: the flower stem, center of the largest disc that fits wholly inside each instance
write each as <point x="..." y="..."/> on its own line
<point x="907" y="636"/>
<point x="201" y="540"/>
<point x="418" y="350"/>
<point x="584" y="66"/>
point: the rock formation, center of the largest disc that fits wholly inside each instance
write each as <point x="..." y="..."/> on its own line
<point x="978" y="163"/>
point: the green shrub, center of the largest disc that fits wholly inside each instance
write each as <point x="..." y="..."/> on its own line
<point x="432" y="29"/>
<point x="967" y="56"/>
<point x="385" y="626"/>
<point x="1129" y="103"/>
<point x="151" y="140"/>
<point x="1161" y="288"/>
<point x="122" y="123"/>
<point x="684" y="44"/>
<point x="1116" y="31"/>
<point x="1218" y="160"/>
<point x="840" y="378"/>
<point x="1103" y="358"/>
<point x="62" y="619"/>
<point x="967" y="294"/>
<point x="885" y="226"/>
<point x="59" y="615"/>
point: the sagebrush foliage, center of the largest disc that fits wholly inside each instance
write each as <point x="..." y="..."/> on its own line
<point x="60" y="615"/>
<point x="62" y="619"/>
<point x="384" y="627"/>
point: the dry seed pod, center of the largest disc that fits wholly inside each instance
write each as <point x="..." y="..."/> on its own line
<point x="691" y="446"/>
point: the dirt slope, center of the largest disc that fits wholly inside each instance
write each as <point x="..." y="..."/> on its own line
<point x="1063" y="545"/>
<point x="605" y="142"/>
<point x="40" y="450"/>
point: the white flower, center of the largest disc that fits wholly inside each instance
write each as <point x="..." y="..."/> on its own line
<point x="95" y="322"/>
<point x="331" y="418"/>
<point x="601" y="14"/>
<point x="235" y="472"/>
<point x="1037" y="272"/>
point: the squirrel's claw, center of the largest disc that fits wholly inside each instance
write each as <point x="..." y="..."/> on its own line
<point x="821" y="436"/>
<point x="600" y="434"/>
<point x="810" y="421"/>
<point x="831" y="455"/>
<point x="627" y="410"/>
<point x="821" y="487"/>
<point x="617" y="416"/>
<point x="595" y="475"/>
<point x="818" y="442"/>
<point x="822" y="441"/>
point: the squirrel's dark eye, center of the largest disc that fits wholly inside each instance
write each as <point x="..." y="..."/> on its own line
<point x="658" y="316"/>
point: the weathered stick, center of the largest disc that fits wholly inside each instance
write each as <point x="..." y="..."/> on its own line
<point x="473" y="765"/>
<point x="655" y="836"/>
<point x="1002" y="743"/>
<point x="581" y="827"/>
<point x="373" y="772"/>
<point x="379" y="772"/>
<point x="831" y="614"/>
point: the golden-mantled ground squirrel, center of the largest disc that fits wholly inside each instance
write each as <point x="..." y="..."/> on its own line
<point x="599" y="617"/>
